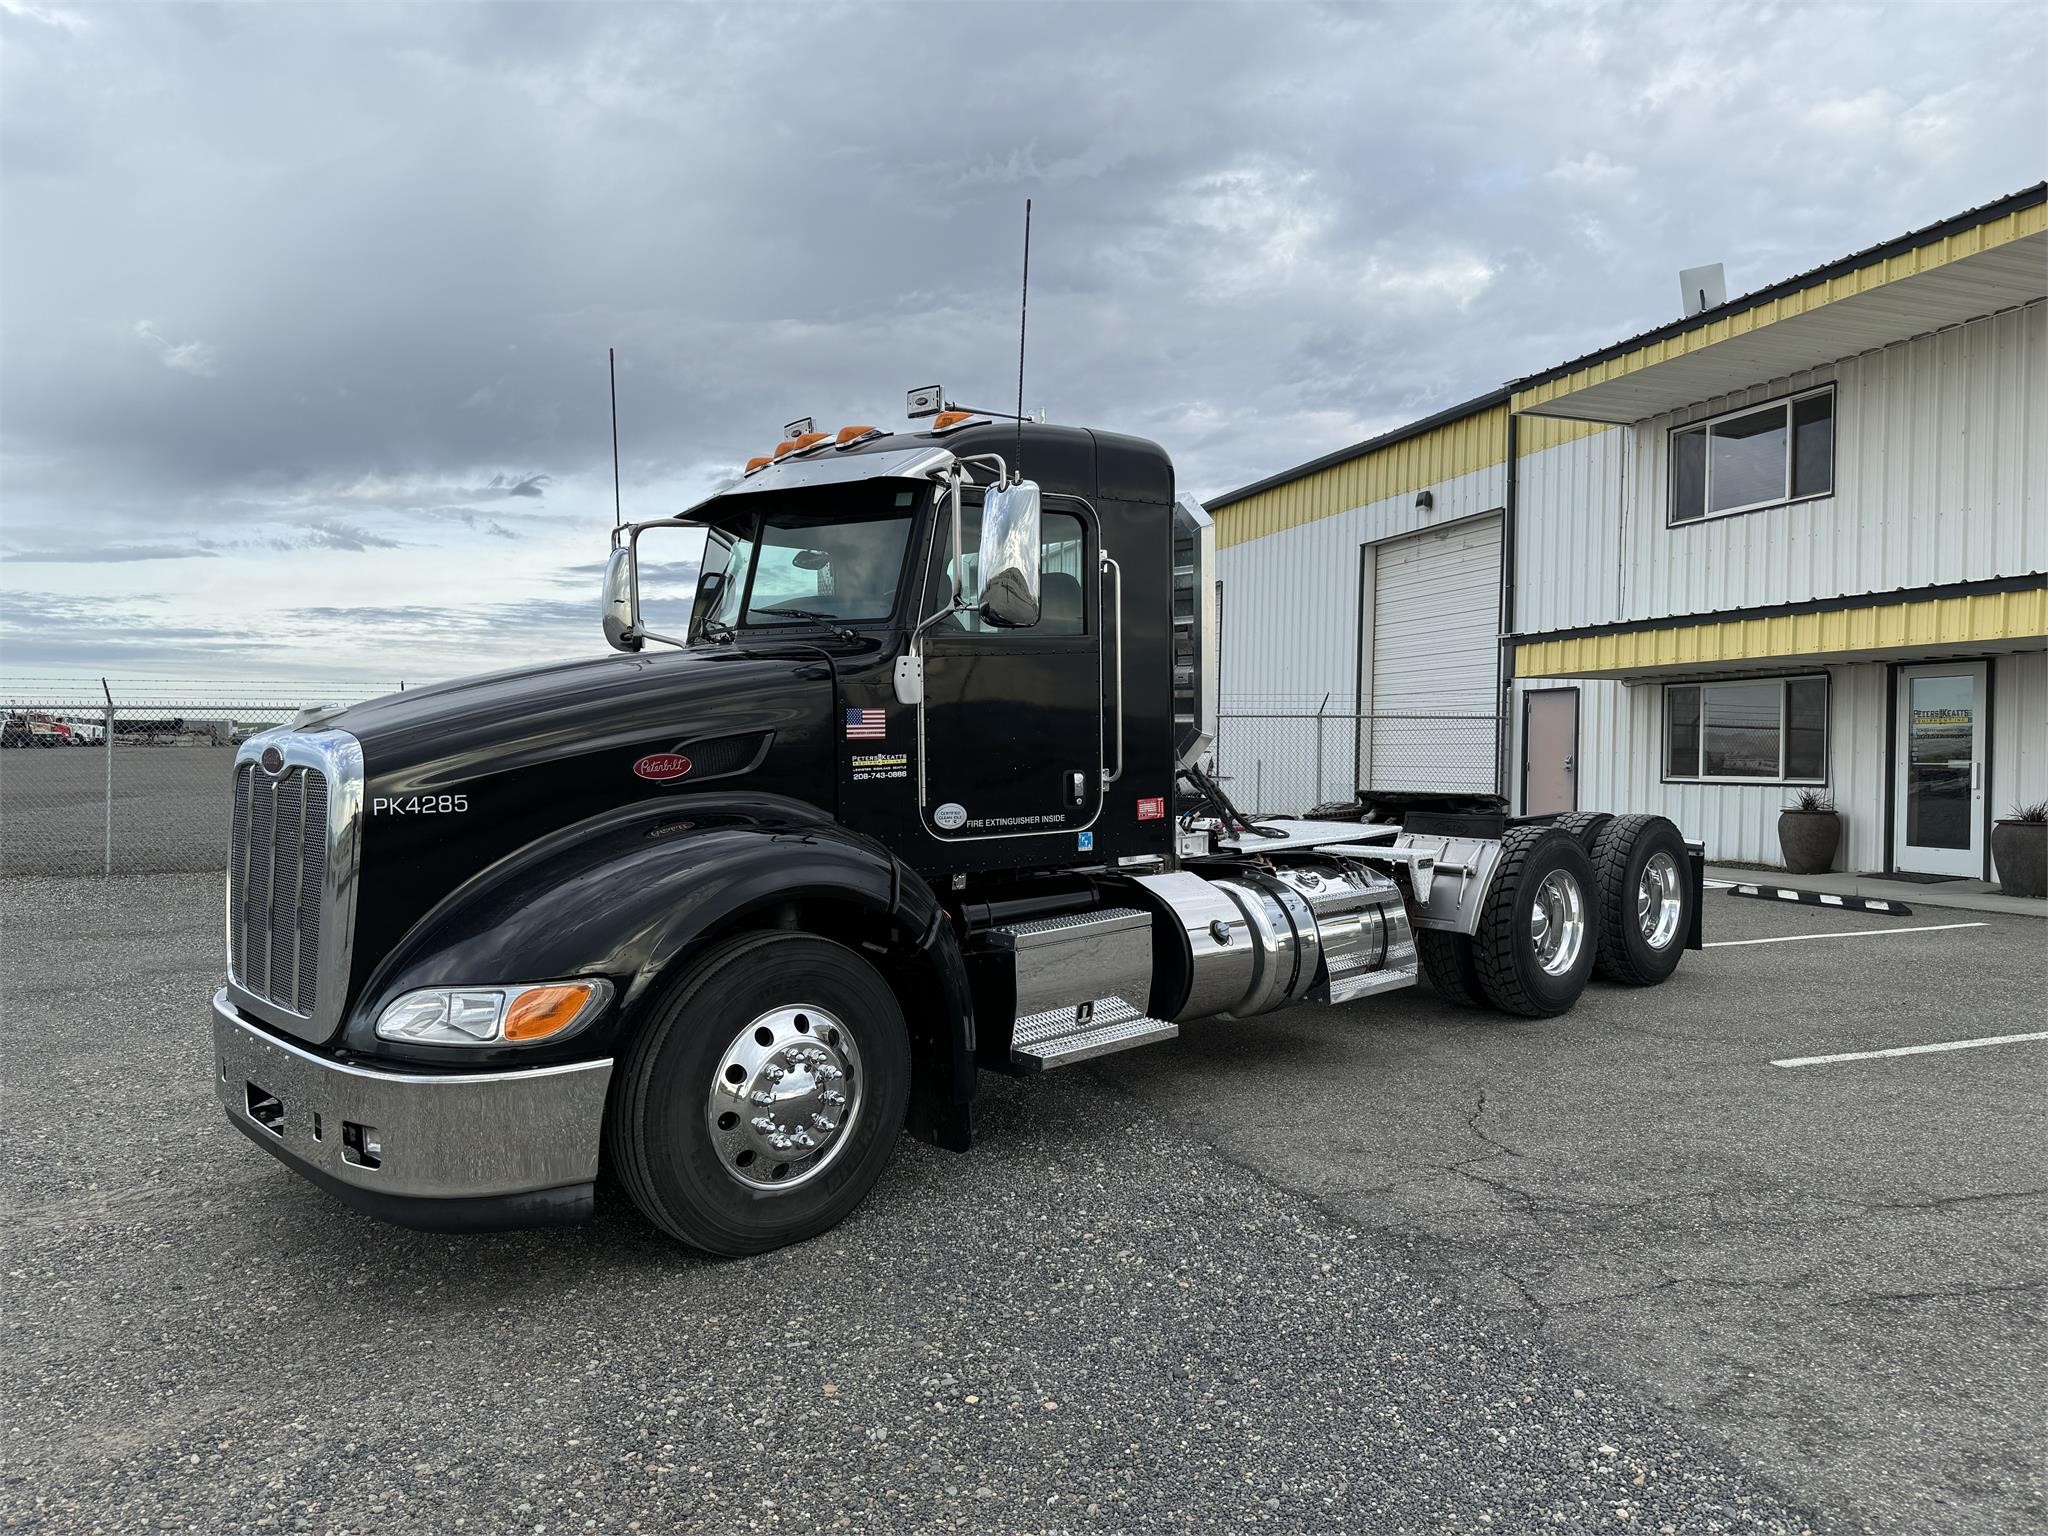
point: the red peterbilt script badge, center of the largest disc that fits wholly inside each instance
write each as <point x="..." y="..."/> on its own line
<point x="662" y="766"/>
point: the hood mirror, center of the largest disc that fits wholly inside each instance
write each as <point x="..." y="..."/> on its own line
<point x="621" y="602"/>
<point x="1008" y="570"/>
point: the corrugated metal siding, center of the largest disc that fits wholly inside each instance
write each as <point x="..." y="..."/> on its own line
<point x="1620" y="769"/>
<point x="1291" y="599"/>
<point x="1941" y="475"/>
<point x="1429" y="461"/>
<point x="2019" y="731"/>
<point x="1988" y="236"/>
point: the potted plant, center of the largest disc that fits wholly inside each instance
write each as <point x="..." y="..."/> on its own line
<point x="2019" y="850"/>
<point x="1809" y="832"/>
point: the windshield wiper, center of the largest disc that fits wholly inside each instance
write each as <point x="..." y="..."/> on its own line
<point x="717" y="631"/>
<point x="830" y="620"/>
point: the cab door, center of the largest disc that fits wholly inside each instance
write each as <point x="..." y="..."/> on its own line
<point x="1010" y="733"/>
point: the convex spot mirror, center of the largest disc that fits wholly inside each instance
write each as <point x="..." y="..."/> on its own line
<point x="1008" y="570"/>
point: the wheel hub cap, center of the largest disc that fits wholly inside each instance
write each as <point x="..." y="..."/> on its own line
<point x="1557" y="922"/>
<point x="1658" y="903"/>
<point x="783" y="1097"/>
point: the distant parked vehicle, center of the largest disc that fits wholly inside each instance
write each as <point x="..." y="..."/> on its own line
<point x="33" y="728"/>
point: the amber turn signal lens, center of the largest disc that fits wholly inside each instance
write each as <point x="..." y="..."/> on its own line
<point x="947" y="419"/>
<point x="853" y="434"/>
<point x="540" y="1012"/>
<point x="759" y="461"/>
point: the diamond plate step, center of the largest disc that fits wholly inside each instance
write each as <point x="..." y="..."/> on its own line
<point x="1059" y="1037"/>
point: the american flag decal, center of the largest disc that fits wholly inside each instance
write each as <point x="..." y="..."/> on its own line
<point x="866" y="724"/>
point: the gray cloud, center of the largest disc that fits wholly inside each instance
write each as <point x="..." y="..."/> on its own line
<point x="108" y="554"/>
<point x="287" y="279"/>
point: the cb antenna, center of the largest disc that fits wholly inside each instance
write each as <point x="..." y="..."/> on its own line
<point x="1023" y="315"/>
<point x="612" y="363"/>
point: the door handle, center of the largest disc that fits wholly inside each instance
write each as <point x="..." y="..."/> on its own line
<point x="1571" y="764"/>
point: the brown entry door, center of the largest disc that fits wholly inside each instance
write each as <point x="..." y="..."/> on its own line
<point x="1550" y="751"/>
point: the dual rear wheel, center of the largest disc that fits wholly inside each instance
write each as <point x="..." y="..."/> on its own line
<point x="1605" y="893"/>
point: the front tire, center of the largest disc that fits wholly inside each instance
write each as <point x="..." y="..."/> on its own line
<point x="760" y="1099"/>
<point x="1537" y="930"/>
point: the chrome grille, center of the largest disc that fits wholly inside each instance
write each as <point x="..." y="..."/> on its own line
<point x="277" y="871"/>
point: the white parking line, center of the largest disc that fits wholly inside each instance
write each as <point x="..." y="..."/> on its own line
<point x="1908" y="1050"/>
<point x="1850" y="933"/>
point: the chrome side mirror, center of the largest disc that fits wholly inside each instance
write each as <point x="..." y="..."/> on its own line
<point x="621" y="602"/>
<point x="1008" y="571"/>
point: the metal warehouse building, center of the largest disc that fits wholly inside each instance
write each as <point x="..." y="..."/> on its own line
<point x="1795" y="540"/>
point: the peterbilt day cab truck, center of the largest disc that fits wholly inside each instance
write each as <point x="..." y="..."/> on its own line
<point x="720" y="915"/>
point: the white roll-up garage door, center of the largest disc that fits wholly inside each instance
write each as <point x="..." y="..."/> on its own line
<point x="1435" y="658"/>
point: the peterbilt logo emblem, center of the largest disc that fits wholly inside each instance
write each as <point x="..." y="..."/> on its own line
<point x="273" y="760"/>
<point x="662" y="766"/>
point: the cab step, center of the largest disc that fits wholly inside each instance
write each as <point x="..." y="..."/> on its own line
<point x="1059" y="1037"/>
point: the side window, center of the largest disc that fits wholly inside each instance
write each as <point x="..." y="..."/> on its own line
<point x="1062" y="589"/>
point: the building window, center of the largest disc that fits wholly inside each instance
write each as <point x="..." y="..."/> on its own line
<point x="1771" y="730"/>
<point x="1763" y="456"/>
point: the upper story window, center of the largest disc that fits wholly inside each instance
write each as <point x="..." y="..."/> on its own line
<point x="1757" y="457"/>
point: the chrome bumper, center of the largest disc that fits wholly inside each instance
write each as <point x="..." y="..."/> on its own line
<point x="512" y="1148"/>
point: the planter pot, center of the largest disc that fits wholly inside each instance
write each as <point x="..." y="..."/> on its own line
<point x="1808" y="839"/>
<point x="2019" y="855"/>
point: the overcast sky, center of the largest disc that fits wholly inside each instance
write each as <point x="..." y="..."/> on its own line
<point x="305" y="307"/>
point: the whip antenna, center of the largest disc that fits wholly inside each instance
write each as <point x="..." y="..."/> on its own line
<point x="612" y="363"/>
<point x="1023" y="315"/>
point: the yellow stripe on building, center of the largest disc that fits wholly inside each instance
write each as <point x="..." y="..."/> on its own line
<point x="1986" y="619"/>
<point x="1963" y="243"/>
<point x="1478" y="441"/>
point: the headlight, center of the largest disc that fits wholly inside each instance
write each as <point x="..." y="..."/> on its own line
<point x="522" y="1015"/>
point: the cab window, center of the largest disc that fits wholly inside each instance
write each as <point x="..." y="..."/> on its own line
<point x="1062" y="590"/>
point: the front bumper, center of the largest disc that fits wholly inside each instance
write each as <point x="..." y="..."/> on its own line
<point x="473" y="1152"/>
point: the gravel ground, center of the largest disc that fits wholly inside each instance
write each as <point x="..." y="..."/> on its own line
<point x="1092" y="1322"/>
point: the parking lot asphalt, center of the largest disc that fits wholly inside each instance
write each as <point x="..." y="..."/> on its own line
<point x="1393" y="1267"/>
<point x="170" y="809"/>
<point x="1835" y="1271"/>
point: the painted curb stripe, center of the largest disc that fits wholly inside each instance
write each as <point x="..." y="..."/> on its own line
<point x="1825" y="899"/>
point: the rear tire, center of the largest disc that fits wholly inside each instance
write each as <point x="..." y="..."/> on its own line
<point x="1447" y="962"/>
<point x="1583" y="826"/>
<point x="1537" y="929"/>
<point x="705" y="1157"/>
<point x="1644" y="874"/>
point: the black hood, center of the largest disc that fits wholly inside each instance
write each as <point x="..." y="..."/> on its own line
<point x="426" y="739"/>
<point x="460" y="775"/>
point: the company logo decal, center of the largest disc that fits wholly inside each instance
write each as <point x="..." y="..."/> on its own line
<point x="273" y="760"/>
<point x="1152" y="808"/>
<point x="662" y="766"/>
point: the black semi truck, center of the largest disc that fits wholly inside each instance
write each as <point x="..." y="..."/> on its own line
<point x="715" y="918"/>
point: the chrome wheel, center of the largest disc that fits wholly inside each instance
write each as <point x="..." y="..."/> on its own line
<point x="1658" y="902"/>
<point x="784" y="1097"/>
<point x="1557" y="922"/>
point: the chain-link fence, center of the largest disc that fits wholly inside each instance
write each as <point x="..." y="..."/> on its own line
<point x="1279" y="758"/>
<point x="129" y="776"/>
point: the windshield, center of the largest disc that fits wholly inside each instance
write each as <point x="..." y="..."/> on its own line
<point x="801" y="562"/>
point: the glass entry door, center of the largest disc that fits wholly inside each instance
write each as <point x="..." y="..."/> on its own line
<point x="1939" y="827"/>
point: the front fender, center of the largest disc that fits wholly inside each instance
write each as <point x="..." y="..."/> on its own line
<point x="625" y="894"/>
